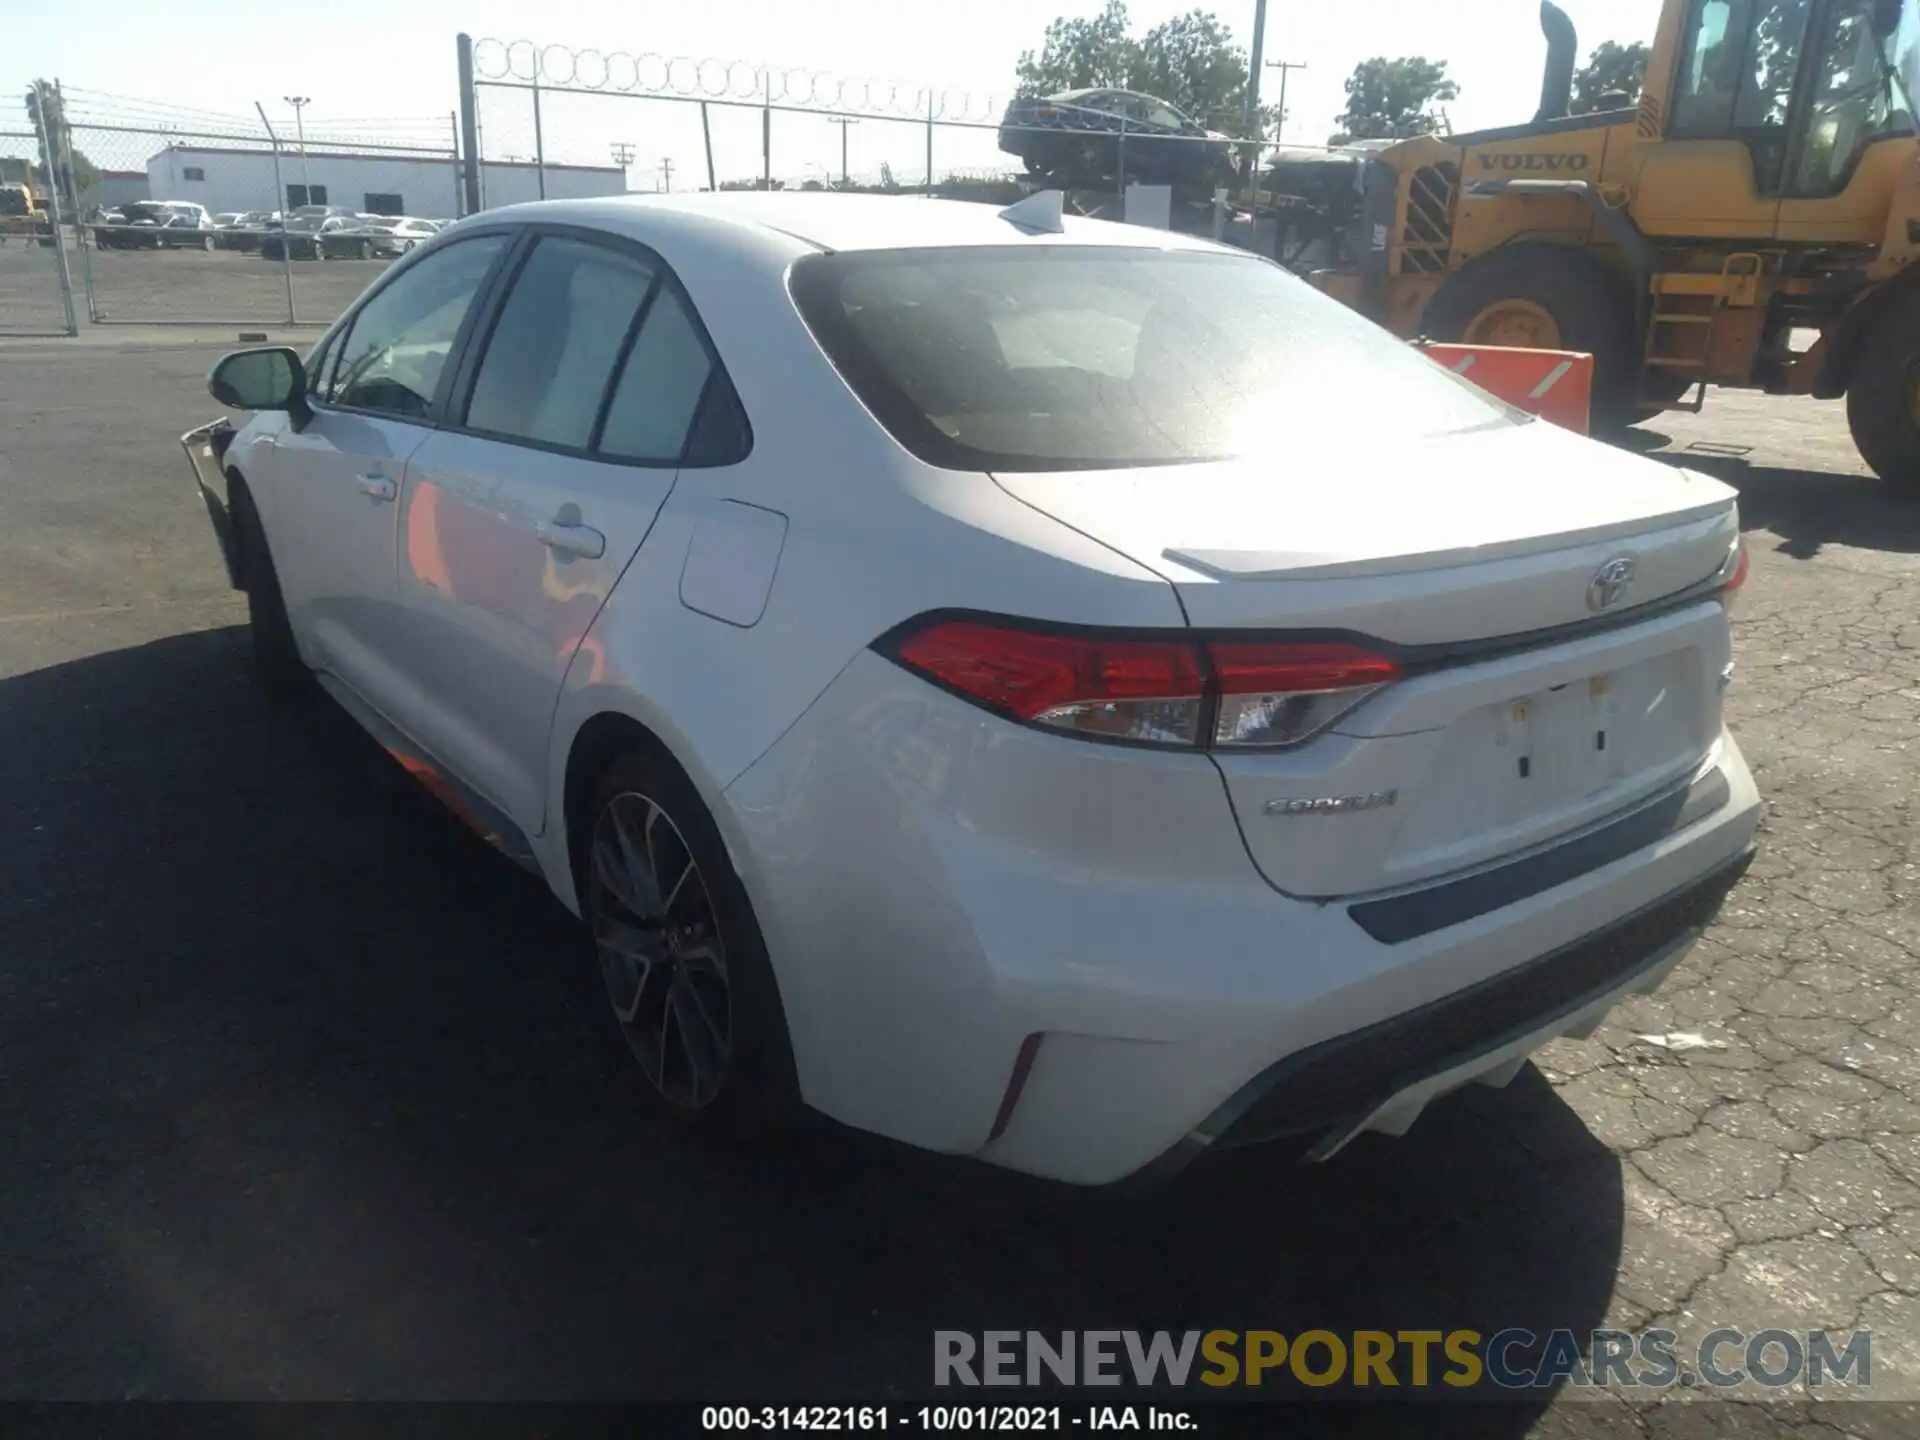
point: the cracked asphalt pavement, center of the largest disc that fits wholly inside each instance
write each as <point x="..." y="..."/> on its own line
<point x="306" y="1094"/>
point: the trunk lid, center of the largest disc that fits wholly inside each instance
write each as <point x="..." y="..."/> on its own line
<point x="1435" y="539"/>
<point x="1530" y="710"/>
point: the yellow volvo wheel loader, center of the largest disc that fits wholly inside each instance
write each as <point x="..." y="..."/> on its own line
<point x="1764" y="191"/>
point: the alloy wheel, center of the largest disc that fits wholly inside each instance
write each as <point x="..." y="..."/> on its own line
<point x="660" y="951"/>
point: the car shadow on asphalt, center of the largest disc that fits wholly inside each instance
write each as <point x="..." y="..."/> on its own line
<point x="312" y="1095"/>
<point x="1807" y="509"/>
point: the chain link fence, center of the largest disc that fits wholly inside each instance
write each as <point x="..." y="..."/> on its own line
<point x="178" y="216"/>
<point x="710" y="124"/>
<point x="686" y="123"/>
<point x="173" y="215"/>
<point x="35" y="289"/>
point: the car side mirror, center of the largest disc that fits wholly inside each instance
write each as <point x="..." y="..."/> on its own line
<point x="271" y="378"/>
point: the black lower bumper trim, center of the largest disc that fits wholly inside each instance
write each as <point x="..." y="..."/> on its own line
<point x="1343" y="1080"/>
<point x="1420" y="912"/>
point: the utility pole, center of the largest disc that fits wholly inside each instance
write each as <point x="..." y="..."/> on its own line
<point x="299" y="104"/>
<point x="622" y="154"/>
<point x="1283" y="66"/>
<point x="666" y="176"/>
<point x="1254" y="66"/>
<point x="843" y="121"/>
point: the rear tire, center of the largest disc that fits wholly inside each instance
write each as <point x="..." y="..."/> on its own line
<point x="1882" y="395"/>
<point x="1590" y="310"/>
<point x="644" y="808"/>
<point x="276" y="658"/>
<point x="206" y="243"/>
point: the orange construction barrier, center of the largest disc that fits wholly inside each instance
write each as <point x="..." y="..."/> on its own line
<point x="1556" y="385"/>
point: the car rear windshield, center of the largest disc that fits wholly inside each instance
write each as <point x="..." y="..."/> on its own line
<point x="1065" y="357"/>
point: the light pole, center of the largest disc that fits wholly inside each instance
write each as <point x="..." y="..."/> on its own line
<point x="300" y="103"/>
<point x="843" y="121"/>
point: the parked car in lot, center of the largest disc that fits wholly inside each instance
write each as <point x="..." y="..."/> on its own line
<point x="1079" y="138"/>
<point x="244" y="234"/>
<point x="372" y="236"/>
<point x="159" y="225"/>
<point x="1007" y="682"/>
<point x="304" y="236"/>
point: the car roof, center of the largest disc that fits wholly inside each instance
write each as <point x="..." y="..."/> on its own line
<point x="821" y="220"/>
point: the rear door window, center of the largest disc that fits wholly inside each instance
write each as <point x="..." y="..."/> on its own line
<point x="560" y="335"/>
<point x="661" y="386"/>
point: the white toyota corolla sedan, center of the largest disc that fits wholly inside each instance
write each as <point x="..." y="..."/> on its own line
<point x="1055" y="692"/>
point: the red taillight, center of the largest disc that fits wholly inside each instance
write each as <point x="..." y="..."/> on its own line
<point x="1260" y="694"/>
<point x="1147" y="690"/>
<point x="1736" y="568"/>
<point x="1274" y="694"/>
<point x="1733" y="574"/>
<point x="1253" y="667"/>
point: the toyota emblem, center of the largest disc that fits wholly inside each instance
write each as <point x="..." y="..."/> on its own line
<point x="1610" y="582"/>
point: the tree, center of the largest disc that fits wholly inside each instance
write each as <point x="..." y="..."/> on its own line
<point x="76" y="174"/>
<point x="1394" y="99"/>
<point x="1080" y="54"/>
<point x="1190" y="61"/>
<point x="1610" y="67"/>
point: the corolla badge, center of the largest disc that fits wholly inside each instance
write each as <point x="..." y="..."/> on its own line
<point x="1334" y="804"/>
<point x="1610" y="583"/>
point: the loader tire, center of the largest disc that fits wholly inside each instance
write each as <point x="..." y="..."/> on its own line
<point x="1589" y="310"/>
<point x="1883" y="399"/>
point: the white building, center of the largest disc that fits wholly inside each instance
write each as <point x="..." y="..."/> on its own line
<point x="423" y="185"/>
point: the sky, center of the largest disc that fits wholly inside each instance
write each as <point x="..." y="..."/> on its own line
<point x="385" y="68"/>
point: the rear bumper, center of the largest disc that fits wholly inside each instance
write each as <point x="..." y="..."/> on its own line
<point x="1058" y="957"/>
<point x="1382" y="1076"/>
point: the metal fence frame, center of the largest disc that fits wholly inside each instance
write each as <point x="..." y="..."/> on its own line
<point x="523" y="65"/>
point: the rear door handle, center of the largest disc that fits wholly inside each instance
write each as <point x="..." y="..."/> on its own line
<point x="579" y="540"/>
<point x="377" y="486"/>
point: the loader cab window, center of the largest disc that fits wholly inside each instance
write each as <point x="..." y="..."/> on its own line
<point x="1737" y="72"/>
<point x="1854" y="98"/>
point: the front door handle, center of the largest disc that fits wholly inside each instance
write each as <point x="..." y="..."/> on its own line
<point x="379" y="487"/>
<point x="579" y="540"/>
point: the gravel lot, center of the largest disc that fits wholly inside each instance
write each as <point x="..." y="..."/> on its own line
<point x="306" y="1094"/>
<point x="172" y="286"/>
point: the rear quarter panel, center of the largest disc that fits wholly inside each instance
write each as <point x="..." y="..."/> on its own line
<point x="872" y="538"/>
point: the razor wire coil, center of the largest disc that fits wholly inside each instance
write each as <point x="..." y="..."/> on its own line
<point x="692" y="77"/>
